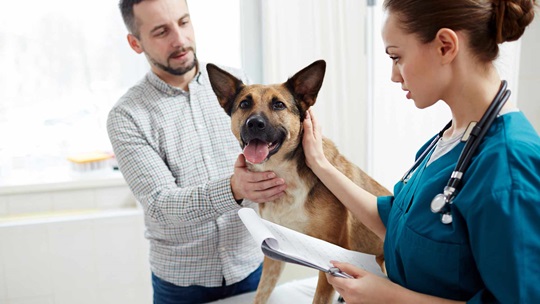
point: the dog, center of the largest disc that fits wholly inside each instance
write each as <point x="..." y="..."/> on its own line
<point x="267" y="121"/>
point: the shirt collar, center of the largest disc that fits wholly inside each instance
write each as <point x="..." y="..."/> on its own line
<point x="174" y="91"/>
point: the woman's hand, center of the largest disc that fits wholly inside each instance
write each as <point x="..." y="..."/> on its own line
<point x="364" y="288"/>
<point x="367" y="287"/>
<point x="312" y="141"/>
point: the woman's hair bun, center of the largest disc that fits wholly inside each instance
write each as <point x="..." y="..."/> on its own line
<point x="511" y="17"/>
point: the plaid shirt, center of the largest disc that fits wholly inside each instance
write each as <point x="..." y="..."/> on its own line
<point x="177" y="153"/>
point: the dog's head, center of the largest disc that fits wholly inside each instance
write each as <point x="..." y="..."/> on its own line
<point x="267" y="119"/>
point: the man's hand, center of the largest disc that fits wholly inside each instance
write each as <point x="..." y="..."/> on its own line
<point x="259" y="187"/>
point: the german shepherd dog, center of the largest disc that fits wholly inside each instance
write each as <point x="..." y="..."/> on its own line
<point x="267" y="121"/>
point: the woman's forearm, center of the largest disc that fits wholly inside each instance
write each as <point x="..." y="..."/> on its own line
<point x="360" y="202"/>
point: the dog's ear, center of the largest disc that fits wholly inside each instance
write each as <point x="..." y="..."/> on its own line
<point x="225" y="85"/>
<point x="305" y="85"/>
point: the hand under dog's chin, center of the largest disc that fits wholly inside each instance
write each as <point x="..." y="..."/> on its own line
<point x="259" y="167"/>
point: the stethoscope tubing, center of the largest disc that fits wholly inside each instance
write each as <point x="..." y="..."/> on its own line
<point x="441" y="203"/>
<point x="478" y="133"/>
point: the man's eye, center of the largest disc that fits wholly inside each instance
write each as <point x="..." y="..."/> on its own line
<point x="183" y="21"/>
<point x="160" y="33"/>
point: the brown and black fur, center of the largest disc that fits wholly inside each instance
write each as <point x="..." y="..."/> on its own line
<point x="274" y="114"/>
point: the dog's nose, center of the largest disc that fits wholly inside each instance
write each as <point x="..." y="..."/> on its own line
<point x="256" y="123"/>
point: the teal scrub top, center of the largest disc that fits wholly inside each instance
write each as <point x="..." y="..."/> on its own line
<point x="491" y="251"/>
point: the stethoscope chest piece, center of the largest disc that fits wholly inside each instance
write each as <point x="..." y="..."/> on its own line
<point x="446" y="218"/>
<point x="439" y="203"/>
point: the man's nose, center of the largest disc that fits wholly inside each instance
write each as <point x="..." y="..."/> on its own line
<point x="178" y="37"/>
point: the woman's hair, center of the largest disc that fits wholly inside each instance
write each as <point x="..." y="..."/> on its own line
<point x="486" y="22"/>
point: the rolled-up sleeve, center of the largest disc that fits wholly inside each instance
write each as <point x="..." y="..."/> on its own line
<point x="384" y="204"/>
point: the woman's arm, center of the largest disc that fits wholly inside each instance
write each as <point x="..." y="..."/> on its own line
<point x="360" y="202"/>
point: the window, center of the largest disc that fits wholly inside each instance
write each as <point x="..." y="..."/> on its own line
<point x="64" y="65"/>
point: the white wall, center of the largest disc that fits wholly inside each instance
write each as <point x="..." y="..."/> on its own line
<point x="217" y="31"/>
<point x="72" y="245"/>
<point x="529" y="75"/>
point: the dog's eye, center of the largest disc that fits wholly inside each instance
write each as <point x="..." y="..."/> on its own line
<point x="278" y="105"/>
<point x="244" y="104"/>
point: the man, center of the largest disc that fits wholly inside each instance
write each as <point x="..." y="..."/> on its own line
<point x="175" y="149"/>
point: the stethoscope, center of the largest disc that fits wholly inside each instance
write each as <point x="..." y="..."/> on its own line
<point x="473" y="136"/>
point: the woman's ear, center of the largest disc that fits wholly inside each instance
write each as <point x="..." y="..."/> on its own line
<point x="448" y="44"/>
<point x="134" y="43"/>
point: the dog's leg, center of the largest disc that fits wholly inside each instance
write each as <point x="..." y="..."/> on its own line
<point x="270" y="274"/>
<point x="325" y="292"/>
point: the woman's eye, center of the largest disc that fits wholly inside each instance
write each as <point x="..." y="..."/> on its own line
<point x="394" y="58"/>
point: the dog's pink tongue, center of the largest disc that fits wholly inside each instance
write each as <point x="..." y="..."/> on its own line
<point x="256" y="151"/>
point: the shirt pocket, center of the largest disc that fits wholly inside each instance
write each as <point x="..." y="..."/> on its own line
<point x="430" y="266"/>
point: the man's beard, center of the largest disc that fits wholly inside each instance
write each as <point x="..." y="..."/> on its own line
<point x="178" y="71"/>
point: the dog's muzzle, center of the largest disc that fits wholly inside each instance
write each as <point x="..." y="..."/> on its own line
<point x="260" y="139"/>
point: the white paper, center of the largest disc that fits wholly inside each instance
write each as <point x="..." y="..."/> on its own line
<point x="291" y="243"/>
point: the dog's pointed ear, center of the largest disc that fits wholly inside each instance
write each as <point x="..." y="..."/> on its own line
<point x="305" y="85"/>
<point x="225" y="85"/>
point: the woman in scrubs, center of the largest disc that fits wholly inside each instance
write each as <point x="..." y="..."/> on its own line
<point x="490" y="252"/>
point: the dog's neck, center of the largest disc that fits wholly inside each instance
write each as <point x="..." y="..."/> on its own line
<point x="290" y="167"/>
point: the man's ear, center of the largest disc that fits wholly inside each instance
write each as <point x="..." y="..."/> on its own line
<point x="447" y="42"/>
<point x="134" y="43"/>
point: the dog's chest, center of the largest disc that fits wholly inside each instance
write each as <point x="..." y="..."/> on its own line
<point x="289" y="210"/>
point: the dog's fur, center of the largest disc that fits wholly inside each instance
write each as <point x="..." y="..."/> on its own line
<point x="272" y="116"/>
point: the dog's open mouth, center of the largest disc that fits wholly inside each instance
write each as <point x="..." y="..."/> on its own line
<point x="257" y="151"/>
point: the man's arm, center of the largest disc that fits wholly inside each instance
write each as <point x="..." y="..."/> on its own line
<point x="154" y="185"/>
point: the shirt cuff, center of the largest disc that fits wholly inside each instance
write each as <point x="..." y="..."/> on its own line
<point x="220" y="195"/>
<point x="384" y="204"/>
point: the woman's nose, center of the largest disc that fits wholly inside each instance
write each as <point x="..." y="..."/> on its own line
<point x="396" y="75"/>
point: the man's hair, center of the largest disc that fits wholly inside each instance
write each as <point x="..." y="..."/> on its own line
<point x="126" y="8"/>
